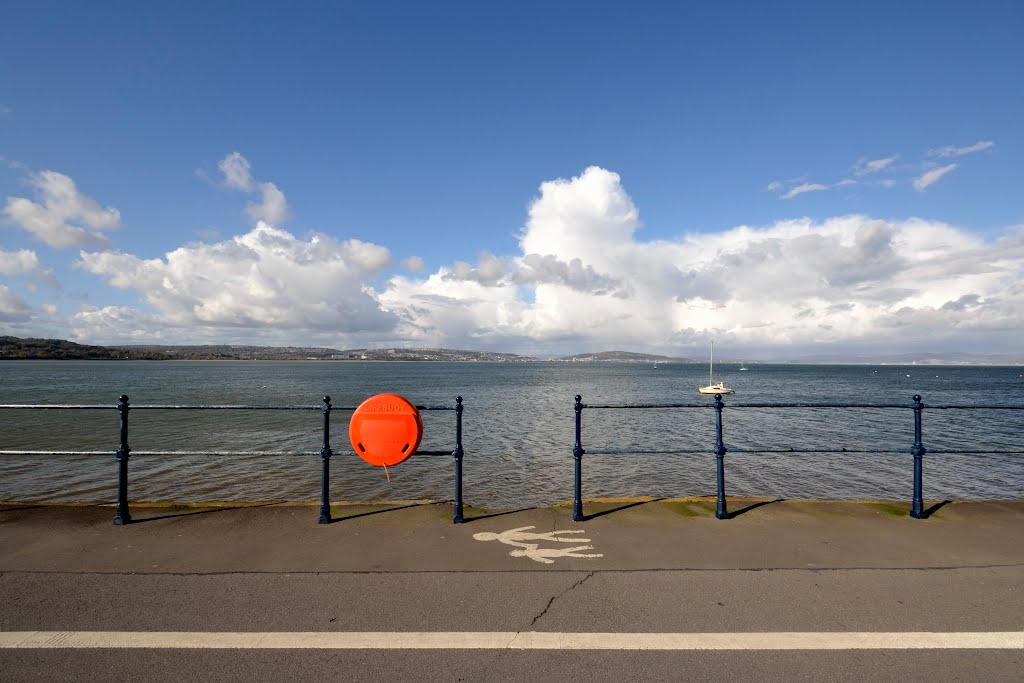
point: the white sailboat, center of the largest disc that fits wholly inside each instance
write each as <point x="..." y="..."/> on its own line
<point x="714" y="387"/>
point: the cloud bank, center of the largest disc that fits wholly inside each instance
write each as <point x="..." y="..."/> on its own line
<point x="583" y="279"/>
<point x="794" y="284"/>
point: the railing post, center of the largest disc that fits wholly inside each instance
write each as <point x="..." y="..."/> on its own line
<point x="720" y="450"/>
<point x="577" y="454"/>
<point x="917" y="507"/>
<point x="458" y="453"/>
<point x="325" y="457"/>
<point x="122" y="515"/>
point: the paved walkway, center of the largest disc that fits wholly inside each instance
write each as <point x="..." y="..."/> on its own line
<point x="419" y="536"/>
<point x="641" y="589"/>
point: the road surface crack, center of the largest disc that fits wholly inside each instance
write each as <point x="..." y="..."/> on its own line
<point x="556" y="597"/>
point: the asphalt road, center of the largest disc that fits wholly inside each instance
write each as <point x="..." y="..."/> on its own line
<point x="664" y="567"/>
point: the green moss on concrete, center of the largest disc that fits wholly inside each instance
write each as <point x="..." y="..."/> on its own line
<point x="889" y="509"/>
<point x="172" y="508"/>
<point x="691" y="508"/>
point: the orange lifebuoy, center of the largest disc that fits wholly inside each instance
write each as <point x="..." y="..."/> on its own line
<point x="385" y="430"/>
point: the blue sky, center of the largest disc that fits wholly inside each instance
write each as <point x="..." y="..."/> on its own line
<point x="532" y="177"/>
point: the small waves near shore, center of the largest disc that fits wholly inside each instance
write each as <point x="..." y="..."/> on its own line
<point x="518" y="431"/>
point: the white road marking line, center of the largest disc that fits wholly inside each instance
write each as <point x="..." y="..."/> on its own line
<point x="503" y="640"/>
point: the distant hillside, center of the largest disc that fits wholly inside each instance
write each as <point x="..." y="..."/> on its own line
<point x="15" y="348"/>
<point x="922" y="358"/>
<point x="442" y="355"/>
<point x="622" y="357"/>
<point x="235" y="352"/>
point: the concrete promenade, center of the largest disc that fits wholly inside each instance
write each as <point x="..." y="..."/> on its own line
<point x="643" y="589"/>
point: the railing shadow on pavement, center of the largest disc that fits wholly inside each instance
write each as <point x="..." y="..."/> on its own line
<point x="376" y="512"/>
<point x="609" y="511"/>
<point x="935" y="508"/>
<point x="206" y="511"/>
<point x="495" y="514"/>
<point x="737" y="513"/>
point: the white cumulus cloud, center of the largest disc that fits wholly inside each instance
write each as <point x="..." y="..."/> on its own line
<point x="272" y="209"/>
<point x="122" y="324"/>
<point x="63" y="216"/>
<point x="237" y="172"/>
<point x="414" y="264"/>
<point x="266" y="280"/>
<point x="18" y="262"/>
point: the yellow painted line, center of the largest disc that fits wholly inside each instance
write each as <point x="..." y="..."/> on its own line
<point x="511" y="640"/>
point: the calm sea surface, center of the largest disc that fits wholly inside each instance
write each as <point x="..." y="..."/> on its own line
<point x="518" y="431"/>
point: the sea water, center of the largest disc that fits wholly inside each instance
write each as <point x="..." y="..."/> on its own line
<point x="518" y="431"/>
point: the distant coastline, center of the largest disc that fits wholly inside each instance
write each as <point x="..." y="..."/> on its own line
<point x="16" y="348"/>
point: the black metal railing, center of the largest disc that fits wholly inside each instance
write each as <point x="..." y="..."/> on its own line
<point x="721" y="512"/>
<point x="123" y="514"/>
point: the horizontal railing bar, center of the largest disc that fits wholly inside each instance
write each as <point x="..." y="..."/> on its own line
<point x="900" y="451"/>
<point x="980" y="407"/>
<point x="896" y="451"/>
<point x="643" y="451"/>
<point x="823" y="405"/>
<point x="107" y="453"/>
<point x="230" y="407"/>
<point x="879" y="406"/>
<point x="134" y="453"/>
<point x="647" y="405"/>
<point x="956" y="451"/>
<point x="295" y="453"/>
<point x="804" y="405"/>
<point x="754" y="405"/>
<point x="52" y="406"/>
<point x="873" y="405"/>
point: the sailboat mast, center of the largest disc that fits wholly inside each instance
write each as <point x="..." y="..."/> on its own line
<point x="711" y="365"/>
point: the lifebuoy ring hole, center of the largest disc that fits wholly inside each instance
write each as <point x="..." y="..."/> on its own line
<point x="363" y="448"/>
